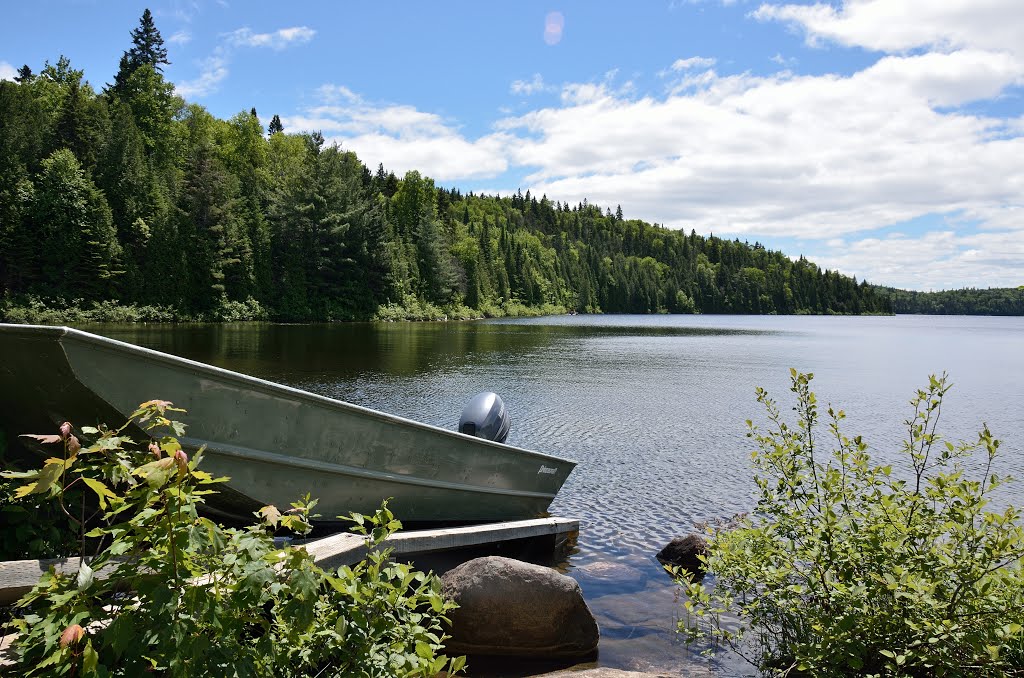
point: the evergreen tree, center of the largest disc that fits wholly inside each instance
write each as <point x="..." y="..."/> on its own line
<point x="287" y="161"/>
<point x="245" y="152"/>
<point x="77" y="243"/>
<point x="23" y="127"/>
<point x="24" y="75"/>
<point x="19" y="252"/>
<point x="208" y="224"/>
<point x="147" y="45"/>
<point x="83" y="125"/>
<point x="197" y="211"/>
<point x="153" y="106"/>
<point x="138" y="201"/>
<point x="147" y="49"/>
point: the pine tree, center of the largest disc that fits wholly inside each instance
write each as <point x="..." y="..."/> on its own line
<point x="147" y="45"/>
<point x="147" y="49"/>
<point x="77" y="235"/>
<point x="83" y="125"/>
<point x="275" y="125"/>
<point x="137" y="201"/>
<point x="24" y="75"/>
<point x="246" y="155"/>
<point x="212" y="236"/>
<point x="153" y="105"/>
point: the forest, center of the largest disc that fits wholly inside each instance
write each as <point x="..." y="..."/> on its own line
<point x="128" y="203"/>
<point x="968" y="301"/>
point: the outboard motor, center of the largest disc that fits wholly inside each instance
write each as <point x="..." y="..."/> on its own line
<point x="485" y="417"/>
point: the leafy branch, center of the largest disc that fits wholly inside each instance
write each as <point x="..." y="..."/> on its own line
<point x="162" y="579"/>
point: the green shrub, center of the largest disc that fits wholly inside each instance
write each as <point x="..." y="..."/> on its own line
<point x="513" y="308"/>
<point x="411" y="308"/>
<point x="462" y="312"/>
<point x="39" y="311"/>
<point x="172" y="593"/>
<point x="849" y="567"/>
<point x="237" y="311"/>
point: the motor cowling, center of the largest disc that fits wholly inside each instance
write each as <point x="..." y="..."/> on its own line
<point x="486" y="417"/>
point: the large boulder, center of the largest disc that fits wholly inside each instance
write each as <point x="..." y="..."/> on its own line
<point x="511" y="608"/>
<point x="685" y="552"/>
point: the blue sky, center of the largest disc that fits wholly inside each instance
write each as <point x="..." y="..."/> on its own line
<point x="884" y="138"/>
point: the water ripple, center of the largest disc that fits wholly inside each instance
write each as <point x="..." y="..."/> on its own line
<point x="652" y="408"/>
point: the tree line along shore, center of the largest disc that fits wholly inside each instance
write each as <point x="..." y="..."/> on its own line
<point x="127" y="204"/>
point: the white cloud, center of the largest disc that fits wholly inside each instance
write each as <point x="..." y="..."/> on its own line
<point x="7" y="71"/>
<point x="950" y="79"/>
<point x="900" y="25"/>
<point x="401" y="137"/>
<point x="180" y="38"/>
<point x="940" y="259"/>
<point x="692" y="62"/>
<point x="181" y="10"/>
<point x="815" y="157"/>
<point x="333" y="93"/>
<point x="528" y="87"/>
<point x="580" y="93"/>
<point x="821" y="158"/>
<point x="277" y="40"/>
<point x="212" y="71"/>
<point x="830" y="159"/>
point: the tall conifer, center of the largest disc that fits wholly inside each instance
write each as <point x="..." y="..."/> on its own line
<point x="147" y="48"/>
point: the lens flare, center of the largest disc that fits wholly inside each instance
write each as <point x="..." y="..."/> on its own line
<point x="554" y="22"/>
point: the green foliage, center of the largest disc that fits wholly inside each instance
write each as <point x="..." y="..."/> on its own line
<point x="34" y="527"/>
<point x="850" y="567"/>
<point x="35" y="310"/>
<point x="147" y="45"/>
<point x="165" y="581"/>
<point x="968" y="301"/>
<point x="76" y="229"/>
<point x="411" y="309"/>
<point x="191" y="211"/>
<point x="235" y="311"/>
<point x="275" y="125"/>
<point x="147" y="50"/>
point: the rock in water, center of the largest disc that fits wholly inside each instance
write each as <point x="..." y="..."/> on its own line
<point x="684" y="552"/>
<point x="511" y="608"/>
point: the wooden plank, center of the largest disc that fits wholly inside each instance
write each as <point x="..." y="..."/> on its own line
<point x="347" y="549"/>
<point x="17" y="577"/>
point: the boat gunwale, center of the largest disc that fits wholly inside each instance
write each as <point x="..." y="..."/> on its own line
<point x="63" y="332"/>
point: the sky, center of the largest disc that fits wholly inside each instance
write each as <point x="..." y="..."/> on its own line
<point x="882" y="138"/>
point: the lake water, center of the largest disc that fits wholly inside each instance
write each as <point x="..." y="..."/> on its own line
<point x="652" y="408"/>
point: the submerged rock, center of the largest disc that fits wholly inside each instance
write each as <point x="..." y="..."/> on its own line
<point x="685" y="552"/>
<point x="511" y="608"/>
<point x="604" y="577"/>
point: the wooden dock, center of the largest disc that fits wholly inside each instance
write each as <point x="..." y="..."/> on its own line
<point x="548" y="537"/>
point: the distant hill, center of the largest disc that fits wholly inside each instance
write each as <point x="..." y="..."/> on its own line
<point x="129" y="204"/>
<point x="967" y="301"/>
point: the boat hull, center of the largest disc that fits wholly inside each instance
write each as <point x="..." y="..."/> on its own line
<point x="275" y="443"/>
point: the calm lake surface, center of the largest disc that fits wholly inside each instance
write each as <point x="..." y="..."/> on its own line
<point x="652" y="408"/>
